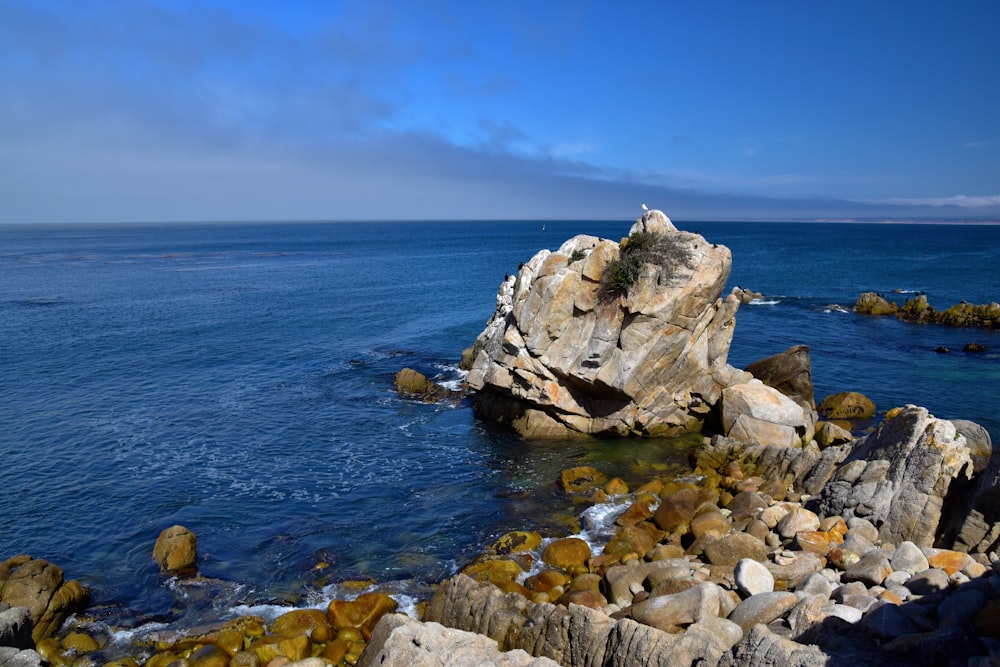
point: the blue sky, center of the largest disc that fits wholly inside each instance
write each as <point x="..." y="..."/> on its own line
<point x="161" y="110"/>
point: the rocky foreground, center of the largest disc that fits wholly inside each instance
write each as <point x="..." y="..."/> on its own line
<point x="882" y="550"/>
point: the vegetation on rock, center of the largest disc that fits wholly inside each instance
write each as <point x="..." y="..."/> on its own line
<point x="639" y="249"/>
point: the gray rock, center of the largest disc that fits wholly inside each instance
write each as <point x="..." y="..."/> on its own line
<point x="679" y="609"/>
<point x="762" y="648"/>
<point x="798" y="519"/>
<point x="978" y="441"/>
<point x="752" y="578"/>
<point x="909" y="558"/>
<point x="15" y="628"/>
<point x="806" y="613"/>
<point x="762" y="608"/>
<point x="928" y="582"/>
<point x="399" y="641"/>
<point x="757" y="414"/>
<point x="898" y="476"/>
<point x="792" y="571"/>
<point x="844" y="591"/>
<point x="843" y="611"/>
<point x="816" y="584"/>
<point x="621" y="579"/>
<point x="14" y="657"/>
<point x="857" y="544"/>
<point x="732" y="548"/>
<point x="871" y="569"/>
<point x="705" y="642"/>
<point x="863" y="527"/>
<point x="898" y="578"/>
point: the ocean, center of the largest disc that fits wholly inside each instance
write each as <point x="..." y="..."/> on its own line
<point x="237" y="379"/>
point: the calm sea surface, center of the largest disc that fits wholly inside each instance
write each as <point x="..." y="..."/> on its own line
<point x="237" y="379"/>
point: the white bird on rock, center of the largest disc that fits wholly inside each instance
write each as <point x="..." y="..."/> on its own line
<point x="645" y="208"/>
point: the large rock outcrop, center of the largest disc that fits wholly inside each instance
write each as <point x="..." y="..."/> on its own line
<point x="899" y="476"/>
<point x="563" y="354"/>
<point x="38" y="586"/>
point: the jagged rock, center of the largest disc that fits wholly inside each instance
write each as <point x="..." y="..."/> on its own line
<point x="898" y="476"/>
<point x="805" y="470"/>
<point x="562" y="356"/>
<point x="176" y="550"/>
<point x="870" y="303"/>
<point x="15" y="628"/>
<point x="399" y="641"/>
<point x="38" y="586"/>
<point x="577" y="636"/>
<point x="14" y="657"/>
<point x="757" y="414"/>
<point x="790" y="372"/>
<point x="762" y="648"/>
<point x="829" y="433"/>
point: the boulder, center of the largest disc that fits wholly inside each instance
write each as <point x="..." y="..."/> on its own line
<point x="790" y="372"/>
<point x="175" y="550"/>
<point x="979" y="442"/>
<point x="414" y="384"/>
<point x="757" y="414"/>
<point x="898" y="477"/>
<point x="571" y="352"/>
<point x="568" y="553"/>
<point x="849" y="405"/>
<point x="38" y="586"/>
<point x="361" y="613"/>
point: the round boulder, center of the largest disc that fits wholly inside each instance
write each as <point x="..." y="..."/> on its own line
<point x="568" y="553"/>
<point x="847" y="405"/>
<point x="176" y="550"/>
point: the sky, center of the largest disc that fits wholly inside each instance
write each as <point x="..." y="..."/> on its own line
<point x="163" y="110"/>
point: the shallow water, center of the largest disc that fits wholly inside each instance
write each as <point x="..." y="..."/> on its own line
<point x="237" y="379"/>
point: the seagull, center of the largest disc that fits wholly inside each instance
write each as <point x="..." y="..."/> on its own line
<point x="645" y="208"/>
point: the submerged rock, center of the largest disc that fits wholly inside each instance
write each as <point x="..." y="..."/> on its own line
<point x="587" y="341"/>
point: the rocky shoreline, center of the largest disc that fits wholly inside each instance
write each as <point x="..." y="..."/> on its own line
<point x="800" y="535"/>
<point x="879" y="550"/>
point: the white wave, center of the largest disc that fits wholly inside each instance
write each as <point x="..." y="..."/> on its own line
<point x="765" y="302"/>
<point x="836" y="308"/>
<point x="451" y="377"/>
<point x="127" y="637"/>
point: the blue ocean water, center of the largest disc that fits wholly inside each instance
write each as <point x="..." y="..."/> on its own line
<point x="237" y="379"/>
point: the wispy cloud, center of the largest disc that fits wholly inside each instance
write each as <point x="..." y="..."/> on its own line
<point x="962" y="201"/>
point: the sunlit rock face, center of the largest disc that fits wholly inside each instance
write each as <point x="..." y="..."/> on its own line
<point x="569" y="352"/>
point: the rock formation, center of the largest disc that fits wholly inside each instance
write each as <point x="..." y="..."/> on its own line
<point x="38" y="586"/>
<point x="582" y="342"/>
<point x="916" y="309"/>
